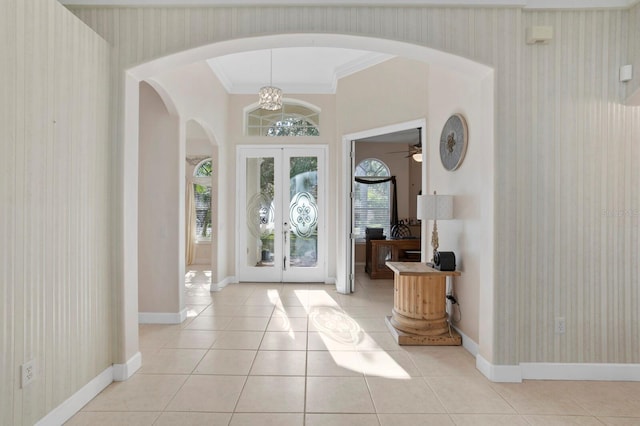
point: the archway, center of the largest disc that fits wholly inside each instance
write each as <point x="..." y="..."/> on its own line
<point x="480" y="75"/>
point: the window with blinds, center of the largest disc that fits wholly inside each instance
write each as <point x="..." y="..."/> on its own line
<point x="371" y="202"/>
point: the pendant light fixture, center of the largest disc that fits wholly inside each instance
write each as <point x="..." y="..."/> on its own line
<point x="270" y="97"/>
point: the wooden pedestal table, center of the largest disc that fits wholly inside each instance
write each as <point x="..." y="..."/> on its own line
<point x="419" y="315"/>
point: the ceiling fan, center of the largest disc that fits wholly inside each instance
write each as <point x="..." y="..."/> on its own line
<point x="415" y="150"/>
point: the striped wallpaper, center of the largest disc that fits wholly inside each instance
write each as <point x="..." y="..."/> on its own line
<point x="55" y="279"/>
<point x="566" y="150"/>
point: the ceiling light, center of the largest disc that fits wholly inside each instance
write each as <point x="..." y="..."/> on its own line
<point x="417" y="157"/>
<point x="270" y="97"/>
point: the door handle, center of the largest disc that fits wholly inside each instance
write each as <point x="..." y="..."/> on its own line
<point x="284" y="263"/>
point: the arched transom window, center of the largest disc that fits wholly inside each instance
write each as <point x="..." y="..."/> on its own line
<point x="291" y="120"/>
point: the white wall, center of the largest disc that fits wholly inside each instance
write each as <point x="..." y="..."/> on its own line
<point x="206" y="104"/>
<point x="160" y="207"/>
<point x="470" y="234"/>
<point x="57" y="286"/>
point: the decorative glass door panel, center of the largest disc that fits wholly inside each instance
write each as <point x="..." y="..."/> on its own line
<point x="282" y="226"/>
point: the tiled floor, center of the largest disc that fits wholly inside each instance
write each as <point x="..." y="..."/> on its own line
<point x="296" y="354"/>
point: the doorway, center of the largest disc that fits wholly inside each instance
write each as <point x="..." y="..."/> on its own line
<point x="281" y="210"/>
<point x="403" y="136"/>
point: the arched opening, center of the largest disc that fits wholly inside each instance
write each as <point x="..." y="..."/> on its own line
<point x="480" y="78"/>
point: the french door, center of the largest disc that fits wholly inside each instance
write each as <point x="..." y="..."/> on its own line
<point x="281" y="206"/>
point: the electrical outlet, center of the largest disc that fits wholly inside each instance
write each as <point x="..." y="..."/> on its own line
<point x="28" y="371"/>
<point x="561" y="325"/>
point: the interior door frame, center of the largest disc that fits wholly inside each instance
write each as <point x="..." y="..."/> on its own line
<point x="322" y="248"/>
<point x="346" y="283"/>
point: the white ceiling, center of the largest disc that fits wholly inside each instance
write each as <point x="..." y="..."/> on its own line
<point x="295" y="69"/>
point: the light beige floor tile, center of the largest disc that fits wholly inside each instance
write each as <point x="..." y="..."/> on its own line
<point x="267" y="419"/>
<point x="338" y="395"/>
<point x="248" y="324"/>
<point x="284" y="341"/>
<point x="170" y="418"/>
<point x="375" y="341"/>
<point x="209" y="323"/>
<point x="155" y="335"/>
<point x="86" y="418"/>
<point x="336" y="363"/>
<point x="197" y="300"/>
<point x="226" y="362"/>
<point x="538" y="397"/>
<point x="465" y="395"/>
<point x="141" y="392"/>
<point x="332" y="320"/>
<point x="542" y="420"/>
<point x="172" y="361"/>
<point x="220" y="311"/>
<point x="388" y="364"/>
<point x="208" y="394"/>
<point x="415" y="420"/>
<point x="262" y="300"/>
<point x="410" y="395"/>
<point x="192" y="339"/>
<point x="341" y="420"/>
<point x="268" y="394"/>
<point x="195" y="310"/>
<point x="334" y="390"/>
<point x="444" y="362"/>
<point x="293" y="302"/>
<point x="379" y="309"/>
<point x="488" y="420"/>
<point x="281" y="322"/>
<point x="279" y="363"/>
<point x="254" y="311"/>
<point x="369" y="324"/>
<point x="238" y="340"/>
<point x="331" y="341"/>
<point x="614" y="399"/>
<point x="291" y="311"/>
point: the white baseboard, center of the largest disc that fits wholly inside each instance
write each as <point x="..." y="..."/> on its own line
<point x="499" y="373"/>
<point x="162" y="317"/>
<point x="578" y="371"/>
<point x="122" y="372"/>
<point x="467" y="343"/>
<point x="558" y="371"/>
<point x="75" y="402"/>
<point x="222" y="284"/>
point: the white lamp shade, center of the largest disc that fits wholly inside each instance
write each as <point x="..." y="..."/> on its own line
<point x="435" y="207"/>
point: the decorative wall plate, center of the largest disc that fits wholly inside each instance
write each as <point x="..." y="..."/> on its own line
<point x="453" y="142"/>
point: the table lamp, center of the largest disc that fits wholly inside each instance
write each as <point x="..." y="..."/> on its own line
<point x="435" y="207"/>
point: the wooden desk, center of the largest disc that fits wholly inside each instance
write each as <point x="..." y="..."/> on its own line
<point x="384" y="251"/>
<point x="419" y="315"/>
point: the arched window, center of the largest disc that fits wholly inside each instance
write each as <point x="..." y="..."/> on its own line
<point x="202" y="199"/>
<point x="372" y="203"/>
<point x="292" y="119"/>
